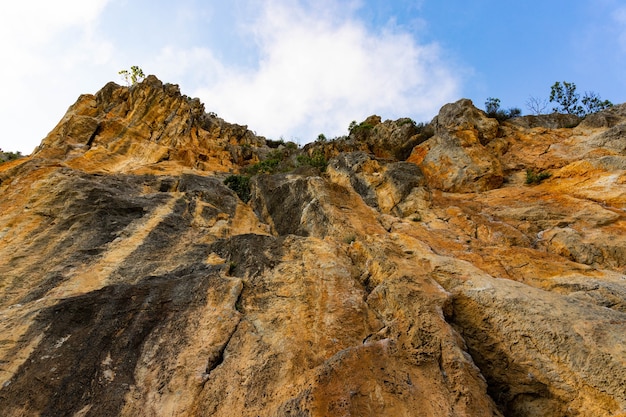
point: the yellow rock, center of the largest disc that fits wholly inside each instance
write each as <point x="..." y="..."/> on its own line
<point x="419" y="275"/>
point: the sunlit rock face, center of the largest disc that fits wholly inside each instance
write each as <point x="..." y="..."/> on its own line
<point x="413" y="273"/>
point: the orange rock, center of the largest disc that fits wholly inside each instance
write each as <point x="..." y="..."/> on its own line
<point x="418" y="275"/>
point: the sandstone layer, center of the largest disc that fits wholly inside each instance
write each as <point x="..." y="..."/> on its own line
<point x="418" y="274"/>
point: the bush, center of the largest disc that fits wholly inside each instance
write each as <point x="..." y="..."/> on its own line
<point x="9" y="156"/>
<point x="267" y="166"/>
<point x="514" y="112"/>
<point x="270" y="165"/>
<point x="536" y="178"/>
<point x="317" y="160"/>
<point x="275" y="144"/>
<point x="492" y="108"/>
<point x="407" y="121"/>
<point x="356" y="128"/>
<point x="492" y="105"/>
<point x="567" y="98"/>
<point x="240" y="184"/>
<point x="593" y="103"/>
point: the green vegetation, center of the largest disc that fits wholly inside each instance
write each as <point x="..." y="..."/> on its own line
<point x="133" y="76"/>
<point x="356" y="128"/>
<point x="267" y="166"/>
<point x="566" y="97"/>
<point x="278" y="160"/>
<point x="240" y="184"/>
<point x="317" y="160"/>
<point x="282" y="160"/>
<point x="9" y="156"/>
<point x="568" y="100"/>
<point x="492" y="108"/>
<point x="592" y="103"/>
<point x="275" y="144"/>
<point x="275" y="162"/>
<point x="425" y="130"/>
<point x="406" y="121"/>
<point x="535" y="178"/>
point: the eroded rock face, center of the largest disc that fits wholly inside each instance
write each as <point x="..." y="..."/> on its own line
<point x="133" y="282"/>
<point x="456" y="159"/>
<point x="389" y="139"/>
<point x="398" y="187"/>
<point x="150" y="123"/>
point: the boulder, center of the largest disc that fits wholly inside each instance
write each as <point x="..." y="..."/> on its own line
<point x="456" y="159"/>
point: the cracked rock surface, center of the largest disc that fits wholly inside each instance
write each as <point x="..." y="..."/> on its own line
<point x="418" y="275"/>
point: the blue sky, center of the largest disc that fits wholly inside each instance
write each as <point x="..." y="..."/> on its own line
<point x="294" y="69"/>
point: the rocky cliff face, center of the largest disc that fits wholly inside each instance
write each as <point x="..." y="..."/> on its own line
<point x="418" y="275"/>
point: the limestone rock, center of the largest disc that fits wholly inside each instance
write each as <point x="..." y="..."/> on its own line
<point x="391" y="139"/>
<point x="384" y="186"/>
<point x="455" y="159"/>
<point x="557" y="380"/>
<point x="150" y="123"/>
<point x="607" y="118"/>
<point x="463" y="116"/>
<point x="549" y="121"/>
<point x="134" y="282"/>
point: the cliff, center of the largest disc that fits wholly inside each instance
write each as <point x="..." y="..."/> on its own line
<point x="427" y="271"/>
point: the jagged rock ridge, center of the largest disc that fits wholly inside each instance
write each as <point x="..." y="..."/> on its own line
<point x="418" y="275"/>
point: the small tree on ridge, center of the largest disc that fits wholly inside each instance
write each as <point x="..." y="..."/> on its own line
<point x="566" y="97"/>
<point x="593" y="103"/>
<point x="131" y="77"/>
<point x="492" y="108"/>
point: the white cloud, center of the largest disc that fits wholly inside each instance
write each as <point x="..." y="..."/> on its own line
<point x="34" y="21"/>
<point x="317" y="72"/>
<point x="187" y="67"/>
<point x="44" y="45"/>
<point x="283" y="67"/>
<point x="34" y="32"/>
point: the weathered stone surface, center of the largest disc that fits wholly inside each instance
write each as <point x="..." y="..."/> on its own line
<point x="607" y="118"/>
<point x="133" y="282"/>
<point x="148" y="124"/>
<point x="456" y="158"/>
<point x="549" y="121"/>
<point x="463" y="116"/>
<point x="389" y="139"/>
<point x="557" y="380"/>
<point x="386" y="187"/>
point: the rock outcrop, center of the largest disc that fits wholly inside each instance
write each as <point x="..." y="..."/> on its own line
<point x="417" y="275"/>
<point x="150" y="124"/>
<point x="456" y="158"/>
